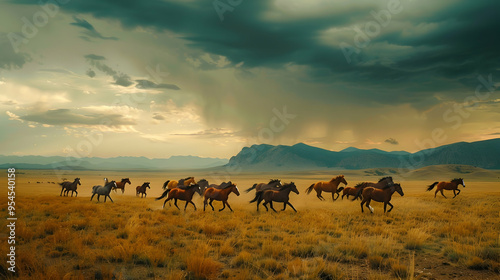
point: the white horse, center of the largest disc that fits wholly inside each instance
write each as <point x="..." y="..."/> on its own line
<point x="100" y="190"/>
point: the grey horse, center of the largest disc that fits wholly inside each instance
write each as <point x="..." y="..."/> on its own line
<point x="100" y="190"/>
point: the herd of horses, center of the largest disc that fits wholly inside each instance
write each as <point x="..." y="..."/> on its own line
<point x="273" y="191"/>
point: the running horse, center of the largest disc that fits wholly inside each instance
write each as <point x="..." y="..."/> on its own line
<point x="331" y="186"/>
<point x="67" y="186"/>
<point x="452" y="185"/>
<point x="172" y="184"/>
<point x="281" y="195"/>
<point x="221" y="194"/>
<point x="181" y="194"/>
<point x="382" y="183"/>
<point x="142" y="189"/>
<point x="274" y="184"/>
<point x="121" y="184"/>
<point x="381" y="195"/>
<point x="351" y="191"/>
<point x="103" y="190"/>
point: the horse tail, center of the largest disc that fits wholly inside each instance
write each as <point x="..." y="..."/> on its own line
<point x="358" y="194"/>
<point x="309" y="190"/>
<point x="165" y="193"/>
<point x="339" y="189"/>
<point x="432" y="186"/>
<point x="165" y="184"/>
<point x="253" y="187"/>
<point x="258" y="196"/>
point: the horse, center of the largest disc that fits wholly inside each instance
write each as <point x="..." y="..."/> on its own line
<point x="381" y="195"/>
<point x="182" y="182"/>
<point x="452" y="185"/>
<point x="142" y="189"/>
<point x="331" y="186"/>
<point x="351" y="191"/>
<point x="100" y="190"/>
<point x="281" y="195"/>
<point x="203" y="185"/>
<point x="177" y="193"/>
<point x="222" y="194"/>
<point x="274" y="184"/>
<point x="67" y="186"/>
<point x="121" y="184"/>
<point x="382" y="183"/>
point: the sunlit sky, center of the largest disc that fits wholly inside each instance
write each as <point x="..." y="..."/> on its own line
<point x="106" y="78"/>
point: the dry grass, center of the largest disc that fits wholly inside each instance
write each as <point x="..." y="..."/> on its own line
<point x="73" y="238"/>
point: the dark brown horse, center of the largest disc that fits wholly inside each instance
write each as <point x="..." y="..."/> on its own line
<point x="274" y="184"/>
<point x="351" y="191"/>
<point x="331" y="186"/>
<point x="177" y="193"/>
<point x="220" y="194"/>
<point x="453" y="185"/>
<point x="381" y="195"/>
<point x="121" y="184"/>
<point x="382" y="183"/>
<point x="142" y="189"/>
<point x="281" y="195"/>
<point x="67" y="186"/>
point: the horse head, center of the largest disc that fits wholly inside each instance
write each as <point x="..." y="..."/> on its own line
<point x="235" y="189"/>
<point x="293" y="187"/>
<point x="77" y="180"/>
<point x="399" y="189"/>
<point x="277" y="182"/>
<point x="126" y="180"/>
<point x="112" y="183"/>
<point x="147" y="185"/>
<point x="461" y="182"/>
<point x="342" y="179"/>
<point x="197" y="189"/>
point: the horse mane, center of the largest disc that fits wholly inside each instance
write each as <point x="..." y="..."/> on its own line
<point x="188" y="178"/>
<point x="125" y="179"/>
<point x="359" y="185"/>
<point x="388" y="177"/>
<point x="286" y="186"/>
<point x="202" y="180"/>
<point x="111" y="182"/>
<point x="457" y="179"/>
<point x="388" y="186"/>
<point x="229" y="185"/>
<point x="273" y="181"/>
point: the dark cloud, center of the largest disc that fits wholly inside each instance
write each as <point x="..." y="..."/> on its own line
<point x="391" y="141"/>
<point x="9" y="59"/>
<point x="90" y="31"/>
<point x="145" y="84"/>
<point x="158" y="116"/>
<point x="120" y="78"/>
<point x="90" y="73"/>
<point x="67" y="117"/>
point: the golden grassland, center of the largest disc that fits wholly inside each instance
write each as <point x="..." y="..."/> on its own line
<point x="133" y="238"/>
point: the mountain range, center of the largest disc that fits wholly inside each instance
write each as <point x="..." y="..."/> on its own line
<point x="483" y="154"/>
<point x="264" y="157"/>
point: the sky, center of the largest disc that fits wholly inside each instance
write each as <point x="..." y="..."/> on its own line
<point x="107" y="78"/>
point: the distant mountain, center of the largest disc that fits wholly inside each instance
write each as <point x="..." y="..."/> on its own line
<point x="116" y="163"/>
<point x="484" y="154"/>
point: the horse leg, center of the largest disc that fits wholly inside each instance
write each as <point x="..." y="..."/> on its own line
<point x="265" y="205"/>
<point x="166" y="202"/>
<point x="185" y="206"/>
<point x="223" y="206"/>
<point x="271" y="204"/>
<point x="98" y="196"/>
<point x="362" y="202"/>
<point x="92" y="197"/>
<point x="62" y="189"/>
<point x="435" y="193"/>
<point x="458" y="192"/>
<point x="292" y="207"/>
<point x="211" y="200"/>
<point x="175" y="203"/>
<point x="333" y="196"/>
<point x="368" y="205"/>
<point x="123" y="190"/>
<point x="344" y="195"/>
<point x="229" y="206"/>
<point x="204" y="204"/>
<point x="318" y="194"/>
<point x="385" y="206"/>
<point x="284" y="206"/>
<point x="109" y="198"/>
<point x="191" y="203"/>
<point x="76" y="194"/>
<point x="442" y="193"/>
<point x="105" y="196"/>
<point x="390" y="208"/>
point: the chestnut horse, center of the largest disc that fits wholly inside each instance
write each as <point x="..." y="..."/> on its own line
<point x="331" y="186"/>
<point x="274" y="184"/>
<point x="281" y="195"/>
<point x="214" y="193"/>
<point x="121" y="184"/>
<point x="453" y="185"/>
<point x="182" y="182"/>
<point x="381" y="195"/>
<point x="177" y="193"/>
<point x="142" y="189"/>
<point x="351" y="191"/>
<point x="67" y="186"/>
